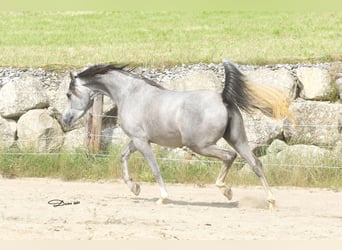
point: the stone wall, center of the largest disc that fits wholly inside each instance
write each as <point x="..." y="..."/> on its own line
<point x="32" y="101"/>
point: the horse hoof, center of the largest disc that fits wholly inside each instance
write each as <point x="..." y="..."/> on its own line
<point x="271" y="204"/>
<point x="136" y="189"/>
<point x="228" y="193"/>
<point x="161" y="201"/>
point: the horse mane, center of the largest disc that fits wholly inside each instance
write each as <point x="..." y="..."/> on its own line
<point x="101" y="69"/>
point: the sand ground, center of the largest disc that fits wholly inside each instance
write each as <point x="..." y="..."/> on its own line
<point x="108" y="210"/>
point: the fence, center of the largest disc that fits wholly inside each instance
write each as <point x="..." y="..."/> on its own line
<point x="93" y="128"/>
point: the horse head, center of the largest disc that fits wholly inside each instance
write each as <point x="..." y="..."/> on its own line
<point x="80" y="99"/>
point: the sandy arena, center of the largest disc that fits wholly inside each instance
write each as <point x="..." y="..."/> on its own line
<point x="107" y="210"/>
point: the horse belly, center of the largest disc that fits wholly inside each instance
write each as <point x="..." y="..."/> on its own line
<point x="166" y="138"/>
<point x="169" y="143"/>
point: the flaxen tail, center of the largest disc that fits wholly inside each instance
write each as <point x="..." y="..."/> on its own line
<point x="248" y="96"/>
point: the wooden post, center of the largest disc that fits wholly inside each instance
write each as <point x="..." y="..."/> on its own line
<point x="94" y="125"/>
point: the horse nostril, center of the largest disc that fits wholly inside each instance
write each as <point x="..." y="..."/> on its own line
<point x="66" y="120"/>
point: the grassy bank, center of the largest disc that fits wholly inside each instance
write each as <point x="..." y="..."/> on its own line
<point x="74" y="39"/>
<point x="79" y="165"/>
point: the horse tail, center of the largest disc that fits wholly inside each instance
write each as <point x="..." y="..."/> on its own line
<point x="248" y="96"/>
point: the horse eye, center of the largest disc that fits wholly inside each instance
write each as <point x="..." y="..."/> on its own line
<point x="68" y="95"/>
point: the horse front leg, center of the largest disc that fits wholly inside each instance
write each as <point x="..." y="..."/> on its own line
<point x="146" y="150"/>
<point x="134" y="187"/>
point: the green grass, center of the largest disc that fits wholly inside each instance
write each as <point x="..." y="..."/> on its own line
<point x="75" y="39"/>
<point x="79" y="165"/>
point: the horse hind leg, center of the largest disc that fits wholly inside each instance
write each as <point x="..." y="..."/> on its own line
<point x="236" y="137"/>
<point x="220" y="181"/>
<point x="134" y="187"/>
<point x="227" y="156"/>
<point x="256" y="165"/>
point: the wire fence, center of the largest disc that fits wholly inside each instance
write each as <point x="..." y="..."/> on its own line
<point x="191" y="159"/>
<point x="194" y="158"/>
<point x="199" y="161"/>
<point x="256" y="122"/>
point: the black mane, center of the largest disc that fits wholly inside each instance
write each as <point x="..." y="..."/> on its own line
<point x="101" y="69"/>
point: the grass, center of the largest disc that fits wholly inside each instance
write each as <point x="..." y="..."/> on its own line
<point x="75" y="39"/>
<point x="79" y="165"/>
<point x="63" y="40"/>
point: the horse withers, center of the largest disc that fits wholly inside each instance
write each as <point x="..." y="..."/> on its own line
<point x="196" y="119"/>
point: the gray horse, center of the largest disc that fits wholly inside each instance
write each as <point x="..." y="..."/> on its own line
<point x="149" y="113"/>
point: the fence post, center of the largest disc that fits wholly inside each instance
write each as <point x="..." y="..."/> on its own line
<point x="94" y="125"/>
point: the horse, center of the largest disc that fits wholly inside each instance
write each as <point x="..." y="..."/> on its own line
<point x="150" y="113"/>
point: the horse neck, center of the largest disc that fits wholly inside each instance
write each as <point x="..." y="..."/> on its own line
<point x="115" y="85"/>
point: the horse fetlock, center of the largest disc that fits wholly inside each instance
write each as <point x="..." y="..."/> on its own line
<point x="220" y="184"/>
<point x="271" y="201"/>
<point x="271" y="204"/>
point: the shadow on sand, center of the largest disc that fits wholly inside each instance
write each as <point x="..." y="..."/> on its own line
<point x="234" y="204"/>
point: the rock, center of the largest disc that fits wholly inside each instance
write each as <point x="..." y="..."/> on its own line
<point x="261" y="130"/>
<point x="339" y="87"/>
<point x="113" y="136"/>
<point x="195" y="80"/>
<point x="280" y="78"/>
<point x="75" y="139"/>
<point x="21" y="95"/>
<point x="58" y="99"/>
<point x="39" y="132"/>
<point x="108" y="105"/>
<point x="305" y="155"/>
<point x="276" y="146"/>
<point x="8" y="130"/>
<point x="316" y="82"/>
<point x="317" y="123"/>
